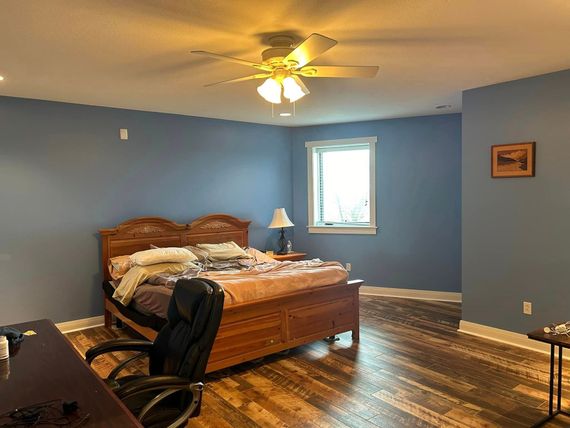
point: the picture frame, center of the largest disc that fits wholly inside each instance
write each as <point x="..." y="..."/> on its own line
<point x="513" y="160"/>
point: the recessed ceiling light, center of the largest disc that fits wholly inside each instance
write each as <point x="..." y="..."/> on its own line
<point x="443" y="106"/>
<point x="1" y="78"/>
<point x="284" y="114"/>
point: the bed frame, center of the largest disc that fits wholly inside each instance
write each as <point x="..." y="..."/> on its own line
<point x="248" y="330"/>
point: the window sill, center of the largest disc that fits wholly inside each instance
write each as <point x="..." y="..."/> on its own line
<point x="344" y="230"/>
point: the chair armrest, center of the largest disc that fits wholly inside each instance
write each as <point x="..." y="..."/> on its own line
<point x="167" y="385"/>
<point x="151" y="383"/>
<point x="117" y="345"/>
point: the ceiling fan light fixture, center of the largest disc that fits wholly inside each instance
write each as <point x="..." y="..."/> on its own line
<point x="283" y="64"/>
<point x="270" y="90"/>
<point x="292" y="90"/>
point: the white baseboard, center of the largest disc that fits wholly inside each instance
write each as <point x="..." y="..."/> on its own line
<point x="444" y="296"/>
<point x="82" y="324"/>
<point x="503" y="336"/>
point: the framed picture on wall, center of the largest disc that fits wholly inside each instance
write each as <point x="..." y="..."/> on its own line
<point x="513" y="160"/>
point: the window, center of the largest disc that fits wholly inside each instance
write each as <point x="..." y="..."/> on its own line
<point x="341" y="179"/>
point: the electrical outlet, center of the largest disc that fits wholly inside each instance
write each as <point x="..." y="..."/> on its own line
<point x="527" y="308"/>
<point x="349" y="267"/>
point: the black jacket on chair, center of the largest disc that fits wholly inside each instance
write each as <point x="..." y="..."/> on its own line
<point x="177" y="359"/>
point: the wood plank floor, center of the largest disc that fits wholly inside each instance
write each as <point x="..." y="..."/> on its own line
<point x="410" y="369"/>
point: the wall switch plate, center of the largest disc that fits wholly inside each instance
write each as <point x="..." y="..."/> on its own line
<point x="124" y="133"/>
<point x="527" y="308"/>
<point x="349" y="267"/>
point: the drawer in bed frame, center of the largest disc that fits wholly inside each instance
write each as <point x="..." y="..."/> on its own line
<point x="255" y="329"/>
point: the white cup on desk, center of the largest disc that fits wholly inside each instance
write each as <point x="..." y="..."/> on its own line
<point x="4" y="361"/>
<point x="4" y="350"/>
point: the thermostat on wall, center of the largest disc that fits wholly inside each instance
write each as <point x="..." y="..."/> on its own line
<point x="124" y="133"/>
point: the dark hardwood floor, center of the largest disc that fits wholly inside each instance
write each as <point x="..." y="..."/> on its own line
<point x="410" y="368"/>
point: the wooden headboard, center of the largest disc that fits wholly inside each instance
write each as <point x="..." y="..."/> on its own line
<point x="139" y="233"/>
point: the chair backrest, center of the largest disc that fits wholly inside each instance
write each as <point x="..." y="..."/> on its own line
<point x="183" y="346"/>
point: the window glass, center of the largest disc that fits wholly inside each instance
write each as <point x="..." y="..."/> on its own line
<point x="343" y="185"/>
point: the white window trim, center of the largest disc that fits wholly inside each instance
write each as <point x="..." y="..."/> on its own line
<point x="340" y="229"/>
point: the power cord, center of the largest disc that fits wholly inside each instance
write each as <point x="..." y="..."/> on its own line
<point x="54" y="413"/>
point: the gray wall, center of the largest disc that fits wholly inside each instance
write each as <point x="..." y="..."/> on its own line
<point x="516" y="231"/>
<point x="64" y="174"/>
<point x="418" y="173"/>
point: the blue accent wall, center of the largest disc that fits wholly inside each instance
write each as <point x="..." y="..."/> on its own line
<point x="418" y="174"/>
<point x="516" y="231"/>
<point x="64" y="174"/>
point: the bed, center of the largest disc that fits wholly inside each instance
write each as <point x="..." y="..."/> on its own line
<point x="248" y="330"/>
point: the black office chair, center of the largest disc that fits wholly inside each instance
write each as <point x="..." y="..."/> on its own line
<point x="172" y="392"/>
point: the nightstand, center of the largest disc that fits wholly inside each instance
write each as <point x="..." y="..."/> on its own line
<point x="292" y="257"/>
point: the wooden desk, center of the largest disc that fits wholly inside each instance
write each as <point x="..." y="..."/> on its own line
<point x="562" y="341"/>
<point x="47" y="367"/>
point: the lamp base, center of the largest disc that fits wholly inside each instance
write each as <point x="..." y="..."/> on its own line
<point x="282" y="243"/>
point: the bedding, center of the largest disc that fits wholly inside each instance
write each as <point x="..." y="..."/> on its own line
<point x="225" y="251"/>
<point x="274" y="279"/>
<point x="201" y="255"/>
<point x="163" y="255"/>
<point x="119" y="266"/>
<point x="152" y="300"/>
<point x="240" y="286"/>
<point x="259" y="256"/>
<point x="139" y="274"/>
<point x="133" y="312"/>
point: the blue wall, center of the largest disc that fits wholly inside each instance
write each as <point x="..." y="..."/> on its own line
<point x="64" y="174"/>
<point x="516" y="231"/>
<point x="418" y="173"/>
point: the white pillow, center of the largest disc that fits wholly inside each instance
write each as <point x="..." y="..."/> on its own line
<point x="226" y="251"/>
<point x="162" y="255"/>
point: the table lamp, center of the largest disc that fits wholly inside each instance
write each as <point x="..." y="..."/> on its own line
<point x="281" y="220"/>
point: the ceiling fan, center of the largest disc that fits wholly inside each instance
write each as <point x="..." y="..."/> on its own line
<point x="282" y="65"/>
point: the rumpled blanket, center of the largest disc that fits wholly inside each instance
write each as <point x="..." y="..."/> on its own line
<point x="274" y="279"/>
<point x="243" y="282"/>
<point x="140" y="274"/>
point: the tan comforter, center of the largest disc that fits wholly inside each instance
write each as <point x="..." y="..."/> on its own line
<point x="270" y="280"/>
<point x="257" y="282"/>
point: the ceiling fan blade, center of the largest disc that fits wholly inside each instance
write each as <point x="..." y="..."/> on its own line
<point x="241" y="79"/>
<point x="338" y="71"/>
<point x="232" y="59"/>
<point x="312" y="47"/>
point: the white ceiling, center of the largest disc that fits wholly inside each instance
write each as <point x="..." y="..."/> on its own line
<point x="135" y="53"/>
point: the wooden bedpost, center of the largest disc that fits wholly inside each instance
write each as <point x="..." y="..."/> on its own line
<point x="108" y="319"/>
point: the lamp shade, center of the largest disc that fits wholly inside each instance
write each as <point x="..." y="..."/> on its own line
<point x="293" y="88"/>
<point x="270" y="90"/>
<point x="280" y="219"/>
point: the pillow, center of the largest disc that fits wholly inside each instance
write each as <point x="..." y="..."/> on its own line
<point x="119" y="266"/>
<point x="226" y="251"/>
<point x="201" y="255"/>
<point x="162" y="255"/>
<point x="139" y="274"/>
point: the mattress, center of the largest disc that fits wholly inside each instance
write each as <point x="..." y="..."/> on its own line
<point x="265" y="281"/>
<point x="276" y="279"/>
<point x="134" y="311"/>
